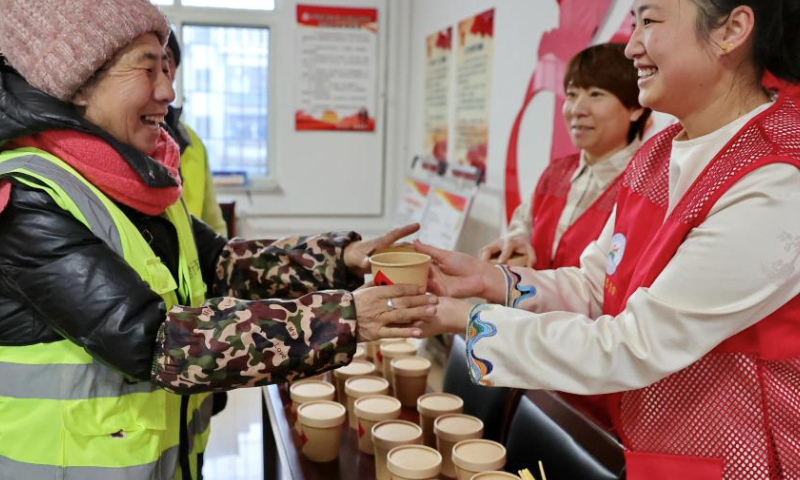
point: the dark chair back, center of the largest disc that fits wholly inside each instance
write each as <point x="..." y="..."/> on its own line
<point x="491" y="404"/>
<point x="545" y="428"/>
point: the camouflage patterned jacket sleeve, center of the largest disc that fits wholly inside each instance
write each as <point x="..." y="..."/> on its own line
<point x="229" y="343"/>
<point x="287" y="268"/>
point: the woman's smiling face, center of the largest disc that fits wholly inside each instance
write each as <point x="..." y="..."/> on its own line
<point x="676" y="66"/>
<point x="130" y="99"/>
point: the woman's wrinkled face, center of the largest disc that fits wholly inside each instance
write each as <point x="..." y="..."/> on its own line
<point x="130" y="99"/>
<point x="676" y="66"/>
<point x="597" y="120"/>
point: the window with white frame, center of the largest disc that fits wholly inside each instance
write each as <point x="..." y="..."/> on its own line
<point x="223" y="79"/>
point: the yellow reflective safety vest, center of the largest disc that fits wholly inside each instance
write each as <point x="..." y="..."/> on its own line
<point x="194" y="170"/>
<point x="63" y="414"/>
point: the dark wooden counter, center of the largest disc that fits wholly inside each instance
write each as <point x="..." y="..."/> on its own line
<point x="283" y="456"/>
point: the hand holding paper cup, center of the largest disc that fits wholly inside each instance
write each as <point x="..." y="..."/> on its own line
<point x="392" y="311"/>
<point x="356" y="254"/>
<point x="394" y="268"/>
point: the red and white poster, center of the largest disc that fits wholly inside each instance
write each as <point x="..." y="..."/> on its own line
<point x="438" y="51"/>
<point x="445" y="214"/>
<point x="337" y="68"/>
<point x="474" y="60"/>
<point x="412" y="203"/>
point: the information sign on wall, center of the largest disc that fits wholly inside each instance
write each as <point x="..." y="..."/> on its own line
<point x="473" y="88"/>
<point x="337" y="68"/>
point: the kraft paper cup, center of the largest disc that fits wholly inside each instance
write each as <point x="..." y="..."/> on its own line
<point x="395" y="268"/>
<point x="377" y="356"/>
<point x="389" y="434"/>
<point x="409" y="378"/>
<point x="397" y="248"/>
<point x="356" y="368"/>
<point x="414" y="462"/>
<point x="320" y="430"/>
<point x="433" y="405"/>
<point x="369" y="411"/>
<point x="390" y="351"/>
<point x="495" y="475"/>
<point x="355" y="388"/>
<point x="372" y="348"/>
<point x="451" y="429"/>
<point x="471" y="457"/>
<point x="309" y="391"/>
<point x="361" y="352"/>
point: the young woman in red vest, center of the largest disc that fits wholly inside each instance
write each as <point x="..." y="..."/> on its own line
<point x="687" y="307"/>
<point x="575" y="194"/>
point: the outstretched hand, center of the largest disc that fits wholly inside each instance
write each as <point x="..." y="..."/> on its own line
<point x="458" y="275"/>
<point x="506" y="248"/>
<point x="392" y="311"/>
<point x="356" y="255"/>
<point x="452" y="316"/>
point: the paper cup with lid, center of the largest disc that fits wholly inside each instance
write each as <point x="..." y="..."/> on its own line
<point x="369" y="411"/>
<point x="409" y="378"/>
<point x="391" y="351"/>
<point x="389" y="434"/>
<point x="414" y="462"/>
<point x="495" y="475"/>
<point x="377" y="356"/>
<point x="361" y="352"/>
<point x="372" y="347"/>
<point x="356" y="368"/>
<point x="393" y="268"/>
<point x="309" y="390"/>
<point x="433" y="405"/>
<point x="471" y="457"/>
<point x="451" y="429"/>
<point x="357" y="387"/>
<point x="320" y="429"/>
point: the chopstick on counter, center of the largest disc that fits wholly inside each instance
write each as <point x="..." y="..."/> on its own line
<point x="525" y="474"/>
<point x="541" y="470"/>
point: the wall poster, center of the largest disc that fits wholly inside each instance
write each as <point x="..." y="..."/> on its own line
<point x="473" y="89"/>
<point x="413" y="200"/>
<point x="337" y="68"/>
<point x="445" y="214"/>
<point x="438" y="51"/>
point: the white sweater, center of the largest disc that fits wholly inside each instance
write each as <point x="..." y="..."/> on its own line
<point x="736" y="268"/>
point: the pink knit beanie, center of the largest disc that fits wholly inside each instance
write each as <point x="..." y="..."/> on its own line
<point x="57" y="45"/>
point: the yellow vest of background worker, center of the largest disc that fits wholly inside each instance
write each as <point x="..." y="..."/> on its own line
<point x="63" y="414"/>
<point x="198" y="187"/>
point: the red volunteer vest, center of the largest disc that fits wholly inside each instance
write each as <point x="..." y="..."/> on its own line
<point x="547" y="205"/>
<point x="735" y="413"/>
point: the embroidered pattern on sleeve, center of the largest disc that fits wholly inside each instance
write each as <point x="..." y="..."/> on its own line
<point x="477" y="329"/>
<point x="516" y="293"/>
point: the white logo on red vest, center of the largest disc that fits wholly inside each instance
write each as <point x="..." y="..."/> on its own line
<point x="615" y="253"/>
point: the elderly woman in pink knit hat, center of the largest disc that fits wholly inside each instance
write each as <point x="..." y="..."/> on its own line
<point x="118" y="311"/>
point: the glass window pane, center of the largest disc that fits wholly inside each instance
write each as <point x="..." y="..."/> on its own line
<point x="225" y="91"/>
<point x="245" y="4"/>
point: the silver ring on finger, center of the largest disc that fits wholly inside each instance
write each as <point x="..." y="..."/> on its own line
<point x="389" y="304"/>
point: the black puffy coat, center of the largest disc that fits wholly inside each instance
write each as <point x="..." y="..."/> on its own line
<point x="57" y="280"/>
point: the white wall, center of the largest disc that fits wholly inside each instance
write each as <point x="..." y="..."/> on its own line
<point x="519" y="25"/>
<point x="339" y="180"/>
<point x="326" y="180"/>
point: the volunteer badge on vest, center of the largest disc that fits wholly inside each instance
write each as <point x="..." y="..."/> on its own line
<point x="615" y="253"/>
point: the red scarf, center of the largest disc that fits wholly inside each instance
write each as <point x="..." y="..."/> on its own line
<point x="105" y="168"/>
